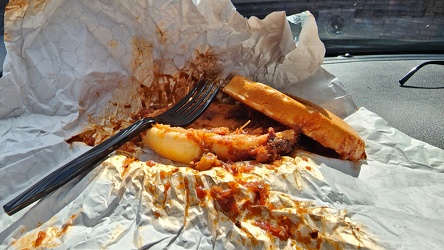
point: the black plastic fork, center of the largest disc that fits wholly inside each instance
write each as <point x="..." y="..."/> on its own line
<point x="183" y="113"/>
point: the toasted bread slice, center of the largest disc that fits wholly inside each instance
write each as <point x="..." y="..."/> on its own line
<point x="313" y="121"/>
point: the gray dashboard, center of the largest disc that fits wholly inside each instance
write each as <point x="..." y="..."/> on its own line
<point x="416" y="109"/>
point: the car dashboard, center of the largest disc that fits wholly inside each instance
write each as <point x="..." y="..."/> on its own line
<point x="414" y="108"/>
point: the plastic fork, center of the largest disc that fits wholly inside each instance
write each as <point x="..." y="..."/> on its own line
<point x="183" y="113"/>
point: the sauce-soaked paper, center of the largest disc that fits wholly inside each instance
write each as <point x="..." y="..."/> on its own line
<point x="70" y="63"/>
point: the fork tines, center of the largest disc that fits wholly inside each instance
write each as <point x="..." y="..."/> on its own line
<point x="198" y="99"/>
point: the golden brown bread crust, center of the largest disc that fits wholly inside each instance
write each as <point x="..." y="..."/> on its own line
<point x="312" y="120"/>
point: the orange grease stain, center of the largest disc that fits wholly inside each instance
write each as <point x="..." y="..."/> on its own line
<point x="40" y="237"/>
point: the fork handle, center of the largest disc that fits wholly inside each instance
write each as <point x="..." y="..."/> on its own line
<point x="85" y="162"/>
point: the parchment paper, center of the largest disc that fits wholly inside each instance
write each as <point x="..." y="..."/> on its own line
<point x="69" y="61"/>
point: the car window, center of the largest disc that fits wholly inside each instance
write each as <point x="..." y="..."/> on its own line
<point x="366" y="27"/>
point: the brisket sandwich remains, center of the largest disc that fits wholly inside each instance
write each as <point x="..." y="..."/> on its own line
<point x="263" y="125"/>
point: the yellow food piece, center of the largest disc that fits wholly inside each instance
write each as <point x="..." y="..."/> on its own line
<point x="173" y="145"/>
<point x="188" y="145"/>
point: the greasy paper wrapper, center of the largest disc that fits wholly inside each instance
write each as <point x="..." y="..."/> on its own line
<point x="72" y="63"/>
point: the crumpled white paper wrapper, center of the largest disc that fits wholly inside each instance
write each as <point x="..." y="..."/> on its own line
<point x="68" y="60"/>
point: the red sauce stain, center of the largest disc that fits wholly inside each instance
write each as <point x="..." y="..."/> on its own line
<point x="225" y="199"/>
<point x="166" y="187"/>
<point x="150" y="187"/>
<point x="31" y="241"/>
<point x="66" y="226"/>
<point x="16" y="6"/>
<point x="166" y="174"/>
<point x="181" y="185"/>
<point x="40" y="237"/>
<point x="156" y="214"/>
<point x="162" y="174"/>
<point x="201" y="192"/>
<point x="126" y="163"/>
<point x="245" y="168"/>
<point x="314" y="234"/>
<point x="275" y="230"/>
<point x="150" y="163"/>
<point x="307" y="239"/>
<point x="90" y="141"/>
<point x="255" y="205"/>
